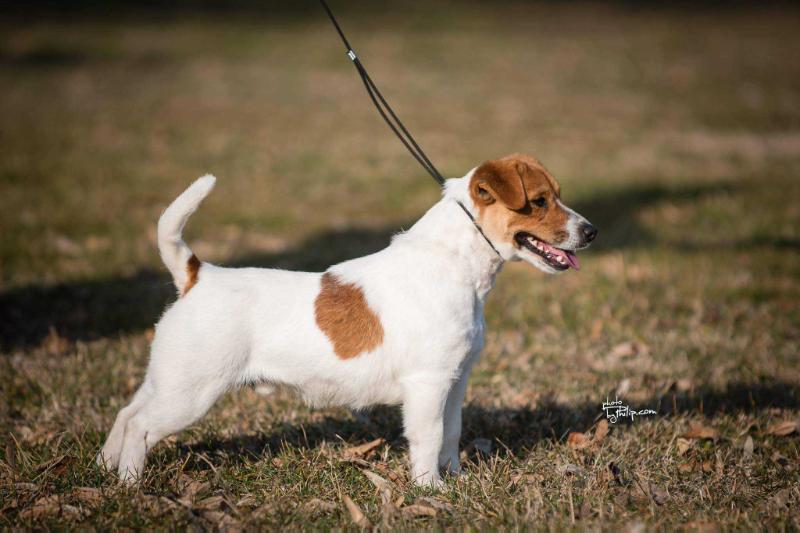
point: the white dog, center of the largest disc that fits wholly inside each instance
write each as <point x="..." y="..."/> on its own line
<point x="401" y="326"/>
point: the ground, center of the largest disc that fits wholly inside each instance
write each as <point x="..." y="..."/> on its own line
<point x="675" y="130"/>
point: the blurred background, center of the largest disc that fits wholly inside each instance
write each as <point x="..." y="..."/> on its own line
<point x="674" y="127"/>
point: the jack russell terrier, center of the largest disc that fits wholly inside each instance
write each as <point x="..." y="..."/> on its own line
<point x="401" y="326"/>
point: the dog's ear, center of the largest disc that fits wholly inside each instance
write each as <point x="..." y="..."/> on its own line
<point x="500" y="181"/>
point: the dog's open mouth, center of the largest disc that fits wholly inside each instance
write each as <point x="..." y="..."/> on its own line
<point x="554" y="257"/>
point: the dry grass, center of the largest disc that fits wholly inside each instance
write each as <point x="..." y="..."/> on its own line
<point x="677" y="132"/>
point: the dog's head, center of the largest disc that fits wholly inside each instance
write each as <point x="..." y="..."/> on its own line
<point x="519" y="209"/>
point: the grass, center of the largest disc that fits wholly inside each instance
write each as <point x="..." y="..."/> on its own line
<point x="676" y="131"/>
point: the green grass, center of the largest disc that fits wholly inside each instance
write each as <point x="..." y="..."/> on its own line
<point x="676" y="131"/>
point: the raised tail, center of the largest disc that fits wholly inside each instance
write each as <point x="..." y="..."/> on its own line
<point x="181" y="262"/>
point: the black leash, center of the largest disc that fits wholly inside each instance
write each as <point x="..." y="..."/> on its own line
<point x="395" y="123"/>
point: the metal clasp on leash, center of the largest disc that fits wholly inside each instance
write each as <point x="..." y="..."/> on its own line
<point x="352" y="55"/>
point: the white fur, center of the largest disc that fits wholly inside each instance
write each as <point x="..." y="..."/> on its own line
<point x="575" y="240"/>
<point x="250" y="325"/>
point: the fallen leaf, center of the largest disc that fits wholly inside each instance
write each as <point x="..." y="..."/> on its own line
<point x="601" y="431"/>
<point x="222" y="520"/>
<point x="578" y="440"/>
<point x="686" y="467"/>
<point x="571" y="469"/>
<point x="190" y="488"/>
<point x="248" y="500"/>
<point x="418" y="509"/>
<point x="379" y="482"/>
<point x="156" y="505"/>
<point x="384" y="488"/>
<point x="384" y="469"/>
<point x="26" y="487"/>
<point x="317" y="506"/>
<point x="436" y="504"/>
<point x="780" y="459"/>
<point x="782" y="429"/>
<point x="628" y="349"/>
<point x="87" y="495"/>
<point x="699" y="431"/>
<point x="212" y="503"/>
<point x="781" y="499"/>
<point x="748" y="447"/>
<point x="54" y="343"/>
<point x="683" y="445"/>
<point x="659" y="494"/>
<point x="51" y="506"/>
<point x="356" y="515"/>
<point x="364" y="449"/>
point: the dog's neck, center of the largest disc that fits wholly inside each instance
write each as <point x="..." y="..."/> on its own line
<point x="450" y="231"/>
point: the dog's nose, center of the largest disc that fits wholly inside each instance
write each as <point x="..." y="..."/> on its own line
<point x="589" y="232"/>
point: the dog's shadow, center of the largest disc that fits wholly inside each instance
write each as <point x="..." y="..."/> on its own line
<point x="513" y="431"/>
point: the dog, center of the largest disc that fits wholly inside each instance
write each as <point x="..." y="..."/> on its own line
<point x="401" y="326"/>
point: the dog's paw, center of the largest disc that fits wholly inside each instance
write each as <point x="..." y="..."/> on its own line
<point x="429" y="481"/>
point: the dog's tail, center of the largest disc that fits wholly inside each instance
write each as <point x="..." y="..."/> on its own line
<point x="181" y="262"/>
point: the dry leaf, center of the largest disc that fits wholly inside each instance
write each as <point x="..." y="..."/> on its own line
<point x="628" y="349"/>
<point x="364" y="449"/>
<point x="782" y="429"/>
<point x="748" y="448"/>
<point x="317" y="506"/>
<point x="683" y="445"/>
<point x="418" y="509"/>
<point x="190" y="488"/>
<point x="700" y="431"/>
<point x="601" y="431"/>
<point x="358" y="517"/>
<point x="659" y="494"/>
<point x="87" y="494"/>
<point x="686" y="467"/>
<point x="212" y="503"/>
<point x="578" y="441"/>
<point x="379" y="482"/>
<point x="51" y="506"/>
<point x="436" y="504"/>
<point x="571" y="469"/>
<point x="780" y="459"/>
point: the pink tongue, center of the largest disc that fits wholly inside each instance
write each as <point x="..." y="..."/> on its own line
<point x="573" y="260"/>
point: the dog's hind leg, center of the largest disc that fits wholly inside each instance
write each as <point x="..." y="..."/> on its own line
<point x="109" y="455"/>
<point x="162" y="414"/>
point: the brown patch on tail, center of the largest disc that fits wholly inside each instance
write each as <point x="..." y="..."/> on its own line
<point x="343" y="314"/>
<point x="192" y="270"/>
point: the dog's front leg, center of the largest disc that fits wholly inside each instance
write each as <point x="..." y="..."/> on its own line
<point x="423" y="414"/>
<point x="448" y="456"/>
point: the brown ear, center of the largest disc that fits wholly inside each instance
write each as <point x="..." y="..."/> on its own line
<point x="494" y="180"/>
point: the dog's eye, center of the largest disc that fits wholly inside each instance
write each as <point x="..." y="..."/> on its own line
<point x="540" y="202"/>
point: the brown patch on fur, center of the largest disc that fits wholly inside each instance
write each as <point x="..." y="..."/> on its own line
<point x="503" y="189"/>
<point x="343" y="314"/>
<point x="192" y="270"/>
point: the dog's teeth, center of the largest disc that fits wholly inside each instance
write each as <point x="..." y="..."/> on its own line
<point x="560" y="259"/>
